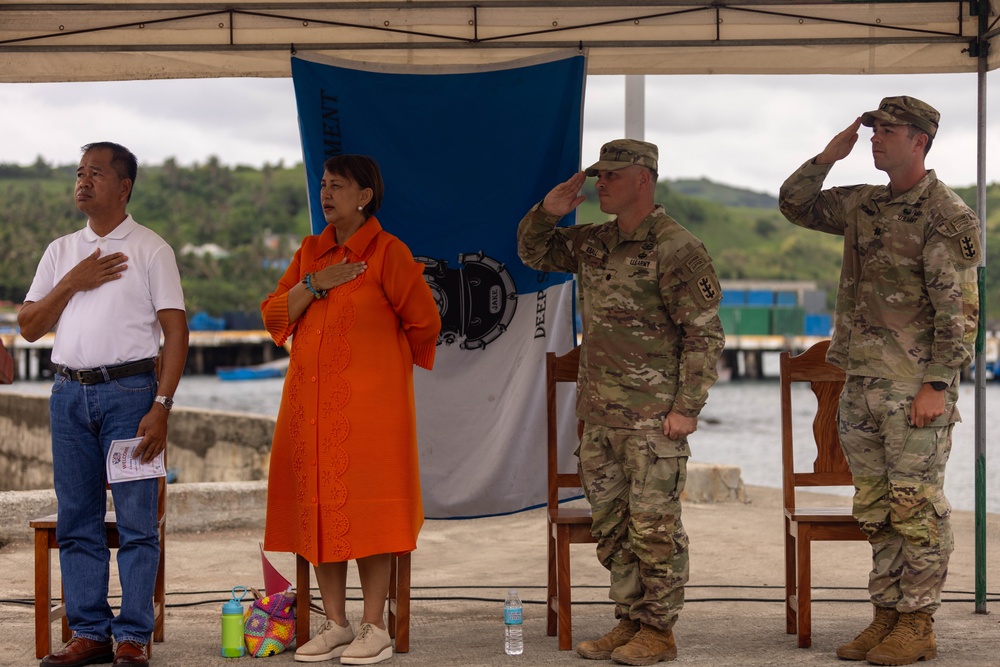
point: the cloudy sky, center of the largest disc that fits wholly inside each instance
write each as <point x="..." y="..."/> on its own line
<point x="748" y="131"/>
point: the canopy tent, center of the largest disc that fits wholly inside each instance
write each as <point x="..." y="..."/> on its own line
<point x="105" y="40"/>
<point x="51" y="40"/>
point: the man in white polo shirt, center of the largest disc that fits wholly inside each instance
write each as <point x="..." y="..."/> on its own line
<point x="110" y="290"/>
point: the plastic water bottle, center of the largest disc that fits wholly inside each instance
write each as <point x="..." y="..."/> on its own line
<point x="233" y="645"/>
<point x="513" y="642"/>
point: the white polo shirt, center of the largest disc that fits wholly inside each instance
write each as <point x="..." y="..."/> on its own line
<point x="116" y="322"/>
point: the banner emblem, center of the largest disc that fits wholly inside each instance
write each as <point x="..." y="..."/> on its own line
<point x="476" y="301"/>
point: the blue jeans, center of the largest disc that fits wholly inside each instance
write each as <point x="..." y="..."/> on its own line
<point x="85" y="419"/>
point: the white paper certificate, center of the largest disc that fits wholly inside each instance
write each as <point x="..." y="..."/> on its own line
<point x="122" y="467"/>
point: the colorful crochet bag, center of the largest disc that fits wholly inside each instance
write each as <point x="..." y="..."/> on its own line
<point x="269" y="624"/>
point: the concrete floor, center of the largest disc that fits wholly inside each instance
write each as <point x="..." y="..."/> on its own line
<point x="734" y="613"/>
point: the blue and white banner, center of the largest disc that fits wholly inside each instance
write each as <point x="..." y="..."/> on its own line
<point x="464" y="155"/>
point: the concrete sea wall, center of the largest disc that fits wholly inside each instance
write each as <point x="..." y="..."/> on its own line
<point x="221" y="460"/>
<point x="204" y="445"/>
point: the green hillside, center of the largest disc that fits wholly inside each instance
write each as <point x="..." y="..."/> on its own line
<point x="745" y="242"/>
<point x="723" y="194"/>
<point x="756" y="242"/>
<point x="258" y="216"/>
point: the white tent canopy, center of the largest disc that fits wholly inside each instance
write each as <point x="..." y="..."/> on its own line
<point x="108" y="40"/>
<point x="52" y="40"/>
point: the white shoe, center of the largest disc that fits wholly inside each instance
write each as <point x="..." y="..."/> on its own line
<point x="329" y="643"/>
<point x="370" y="646"/>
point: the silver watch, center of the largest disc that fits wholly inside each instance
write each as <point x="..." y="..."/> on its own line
<point x="166" y="401"/>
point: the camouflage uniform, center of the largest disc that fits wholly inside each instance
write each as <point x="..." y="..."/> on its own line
<point x="651" y="340"/>
<point x="907" y="309"/>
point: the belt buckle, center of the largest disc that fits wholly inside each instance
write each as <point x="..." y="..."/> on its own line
<point x="81" y="375"/>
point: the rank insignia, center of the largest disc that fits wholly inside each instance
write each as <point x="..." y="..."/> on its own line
<point x="696" y="262"/>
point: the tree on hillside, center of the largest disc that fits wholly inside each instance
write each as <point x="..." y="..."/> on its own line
<point x="259" y="216"/>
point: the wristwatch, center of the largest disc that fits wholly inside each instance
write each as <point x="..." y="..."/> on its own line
<point x="937" y="385"/>
<point x="166" y="401"/>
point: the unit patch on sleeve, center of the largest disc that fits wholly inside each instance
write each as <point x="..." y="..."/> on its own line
<point x="963" y="235"/>
<point x="694" y="267"/>
<point x="969" y="247"/>
<point x="709" y="288"/>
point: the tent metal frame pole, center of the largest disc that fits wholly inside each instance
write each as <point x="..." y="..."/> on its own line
<point x="979" y="466"/>
<point x="982" y="53"/>
<point x="635" y="106"/>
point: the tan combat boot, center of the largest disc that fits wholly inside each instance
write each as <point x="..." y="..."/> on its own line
<point x="601" y="649"/>
<point x="911" y="640"/>
<point x="649" y="646"/>
<point x="870" y="637"/>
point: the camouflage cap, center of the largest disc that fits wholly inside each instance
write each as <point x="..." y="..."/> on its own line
<point x="622" y="153"/>
<point x="904" y="110"/>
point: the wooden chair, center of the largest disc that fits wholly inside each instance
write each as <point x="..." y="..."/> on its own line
<point x="6" y="365"/>
<point x="566" y="525"/>
<point x="804" y="525"/>
<point x="45" y="541"/>
<point x="399" y="601"/>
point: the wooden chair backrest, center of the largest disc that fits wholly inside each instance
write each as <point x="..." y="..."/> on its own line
<point x="826" y="381"/>
<point x="161" y="503"/>
<point x="558" y="369"/>
<point x="6" y="365"/>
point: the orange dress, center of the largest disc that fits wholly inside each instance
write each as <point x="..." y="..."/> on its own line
<point x="344" y="481"/>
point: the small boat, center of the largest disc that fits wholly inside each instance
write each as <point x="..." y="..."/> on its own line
<point x="273" y="369"/>
<point x="238" y="373"/>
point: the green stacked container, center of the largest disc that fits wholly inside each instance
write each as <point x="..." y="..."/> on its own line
<point x="730" y="319"/>
<point x="754" y="321"/>
<point x="788" y="321"/>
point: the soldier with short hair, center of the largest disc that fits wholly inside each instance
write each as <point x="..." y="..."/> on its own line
<point x="905" y="326"/>
<point x="651" y="340"/>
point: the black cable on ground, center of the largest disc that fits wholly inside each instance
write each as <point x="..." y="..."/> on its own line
<point x="990" y="597"/>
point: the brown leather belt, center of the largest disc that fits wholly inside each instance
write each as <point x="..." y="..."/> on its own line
<point x="107" y="373"/>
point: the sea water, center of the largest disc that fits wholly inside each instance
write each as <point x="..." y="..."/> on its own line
<point x="739" y="426"/>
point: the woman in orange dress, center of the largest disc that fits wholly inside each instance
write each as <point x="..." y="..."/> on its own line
<point x="344" y="482"/>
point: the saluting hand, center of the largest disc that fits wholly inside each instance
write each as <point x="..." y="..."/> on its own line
<point x="566" y="196"/>
<point x="841" y="145"/>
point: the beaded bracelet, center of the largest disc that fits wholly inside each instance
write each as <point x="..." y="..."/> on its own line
<point x="307" y="281"/>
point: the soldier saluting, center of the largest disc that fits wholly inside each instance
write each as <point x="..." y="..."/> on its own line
<point x="651" y="339"/>
<point x="905" y="325"/>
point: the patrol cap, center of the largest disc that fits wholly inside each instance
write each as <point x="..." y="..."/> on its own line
<point x="904" y="110"/>
<point x="622" y="153"/>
